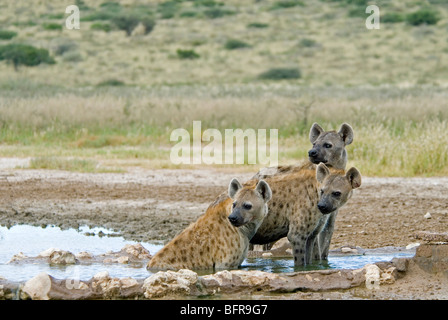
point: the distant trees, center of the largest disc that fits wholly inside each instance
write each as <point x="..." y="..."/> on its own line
<point x="22" y="54"/>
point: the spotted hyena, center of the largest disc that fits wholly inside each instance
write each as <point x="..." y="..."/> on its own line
<point x="335" y="190"/>
<point x="295" y="210"/>
<point x="220" y="238"/>
<point x="295" y="192"/>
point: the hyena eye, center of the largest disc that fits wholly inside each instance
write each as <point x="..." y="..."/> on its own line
<point x="233" y="205"/>
<point x="247" y="206"/>
<point x="336" y="194"/>
<point x="327" y="145"/>
<point x="321" y="191"/>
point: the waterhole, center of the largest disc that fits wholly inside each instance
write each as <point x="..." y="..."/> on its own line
<point x="31" y="241"/>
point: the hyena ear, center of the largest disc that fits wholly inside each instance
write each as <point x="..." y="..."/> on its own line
<point x="346" y="133"/>
<point x="315" y="132"/>
<point x="264" y="189"/>
<point x="354" y="177"/>
<point x="322" y="172"/>
<point x="234" y="186"/>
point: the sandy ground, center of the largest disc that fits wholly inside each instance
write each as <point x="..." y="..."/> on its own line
<point x="145" y="205"/>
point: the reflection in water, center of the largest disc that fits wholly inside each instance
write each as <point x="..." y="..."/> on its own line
<point x="33" y="240"/>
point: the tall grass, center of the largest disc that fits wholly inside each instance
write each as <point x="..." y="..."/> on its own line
<point x="398" y="132"/>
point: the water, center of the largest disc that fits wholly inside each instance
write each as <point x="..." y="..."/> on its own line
<point x="33" y="240"/>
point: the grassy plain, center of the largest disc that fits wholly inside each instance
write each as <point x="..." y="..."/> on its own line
<point x="115" y="99"/>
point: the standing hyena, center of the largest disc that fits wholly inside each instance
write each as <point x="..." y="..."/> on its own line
<point x="220" y="238"/>
<point x="335" y="190"/>
<point x="295" y="191"/>
<point x="296" y="208"/>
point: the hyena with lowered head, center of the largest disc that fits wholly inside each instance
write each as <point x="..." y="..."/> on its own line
<point x="219" y="239"/>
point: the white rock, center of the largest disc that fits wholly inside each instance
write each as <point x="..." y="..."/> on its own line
<point x="38" y="287"/>
<point x="101" y="275"/>
<point x="48" y="252"/>
<point x="427" y="215"/>
<point x="373" y="275"/>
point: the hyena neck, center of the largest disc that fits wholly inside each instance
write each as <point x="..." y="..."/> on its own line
<point x="342" y="163"/>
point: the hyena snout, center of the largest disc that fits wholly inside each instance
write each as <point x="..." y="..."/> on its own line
<point x="236" y="218"/>
<point x="316" y="157"/>
<point x="325" y="207"/>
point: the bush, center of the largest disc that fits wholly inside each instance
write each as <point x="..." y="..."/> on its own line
<point x="308" y="43"/>
<point x="233" y="44"/>
<point x="207" y="3"/>
<point x="187" y="54"/>
<point x="22" y="54"/>
<point x="188" y="14"/>
<point x="111" y="82"/>
<point x="423" y="16"/>
<point x="257" y="25"/>
<point x="106" y="27"/>
<point x="214" y="13"/>
<point x="148" y="22"/>
<point x="52" y="26"/>
<point x="127" y="21"/>
<point x="7" y="35"/>
<point x="392" y="17"/>
<point x="167" y="9"/>
<point x="280" y="74"/>
<point x="282" y="4"/>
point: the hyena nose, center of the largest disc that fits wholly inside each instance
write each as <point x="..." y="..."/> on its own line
<point x="322" y="207"/>
<point x="312" y="153"/>
<point x="233" y="219"/>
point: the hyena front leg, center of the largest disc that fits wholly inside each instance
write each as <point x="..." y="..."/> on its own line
<point x="297" y="237"/>
<point x="326" y="234"/>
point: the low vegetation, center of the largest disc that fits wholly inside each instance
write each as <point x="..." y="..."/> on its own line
<point x="116" y="88"/>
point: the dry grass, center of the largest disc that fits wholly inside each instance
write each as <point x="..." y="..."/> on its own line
<point x="389" y="84"/>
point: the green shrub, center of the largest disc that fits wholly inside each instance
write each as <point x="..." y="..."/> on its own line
<point x="22" y="54"/>
<point x="423" y="16"/>
<point x="392" y="17"/>
<point x="188" y="14"/>
<point x="257" y="25"/>
<point x="282" y="4"/>
<point x="7" y="34"/>
<point x="207" y="3"/>
<point x="280" y="74"/>
<point x="111" y="6"/>
<point x="52" y="26"/>
<point x="106" y="27"/>
<point x="214" y="13"/>
<point x="148" y="22"/>
<point x="233" y="44"/>
<point x="167" y="9"/>
<point x="308" y="43"/>
<point x="187" y="54"/>
<point x="127" y="21"/>
<point x="111" y="82"/>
